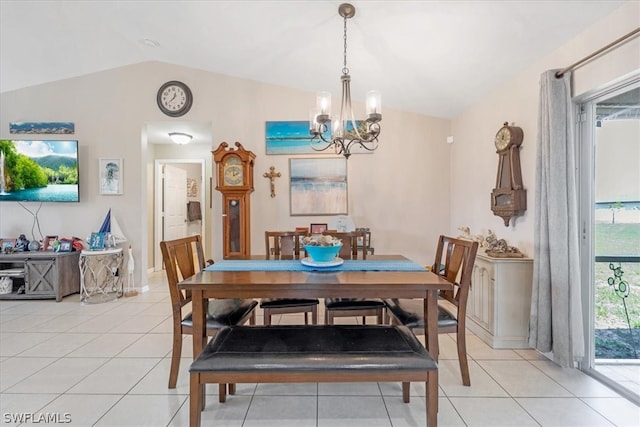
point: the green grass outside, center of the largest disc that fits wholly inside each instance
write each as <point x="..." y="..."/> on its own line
<point x="617" y="239"/>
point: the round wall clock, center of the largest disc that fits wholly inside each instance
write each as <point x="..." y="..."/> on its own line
<point x="507" y="136"/>
<point x="174" y="98"/>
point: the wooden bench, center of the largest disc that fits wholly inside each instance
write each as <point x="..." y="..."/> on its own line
<point x="325" y="353"/>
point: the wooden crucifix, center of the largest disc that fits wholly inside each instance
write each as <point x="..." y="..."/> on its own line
<point x="272" y="175"/>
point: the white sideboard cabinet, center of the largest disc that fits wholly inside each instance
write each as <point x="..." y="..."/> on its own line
<point x="500" y="301"/>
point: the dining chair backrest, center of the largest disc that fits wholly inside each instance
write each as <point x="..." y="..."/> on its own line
<point x="182" y="258"/>
<point x="350" y="248"/>
<point x="454" y="261"/>
<point x="283" y="244"/>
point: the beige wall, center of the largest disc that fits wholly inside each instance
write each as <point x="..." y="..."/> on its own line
<point x="400" y="191"/>
<point x="474" y="161"/>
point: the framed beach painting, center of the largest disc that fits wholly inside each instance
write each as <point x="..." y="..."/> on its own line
<point x="293" y="137"/>
<point x="318" y="186"/>
<point x="290" y="137"/>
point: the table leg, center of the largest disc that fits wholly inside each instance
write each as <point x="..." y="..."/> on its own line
<point x="198" y="308"/>
<point x="431" y="340"/>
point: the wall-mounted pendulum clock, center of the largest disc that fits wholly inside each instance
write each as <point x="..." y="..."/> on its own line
<point x="234" y="179"/>
<point x="509" y="198"/>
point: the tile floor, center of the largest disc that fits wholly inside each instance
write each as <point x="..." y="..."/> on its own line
<point x="107" y="365"/>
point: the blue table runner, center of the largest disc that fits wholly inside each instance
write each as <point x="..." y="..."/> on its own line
<point x="296" y="265"/>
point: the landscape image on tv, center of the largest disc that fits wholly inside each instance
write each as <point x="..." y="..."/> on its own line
<point x="39" y="171"/>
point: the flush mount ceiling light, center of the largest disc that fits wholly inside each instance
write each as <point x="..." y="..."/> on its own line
<point x="149" y="42"/>
<point x="180" y="137"/>
<point x="346" y="131"/>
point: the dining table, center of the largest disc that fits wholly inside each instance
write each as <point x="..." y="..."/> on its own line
<point x="379" y="276"/>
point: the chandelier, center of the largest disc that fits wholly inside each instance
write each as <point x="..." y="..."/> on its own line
<point x="345" y="130"/>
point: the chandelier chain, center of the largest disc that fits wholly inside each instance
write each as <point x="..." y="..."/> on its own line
<point x="345" y="70"/>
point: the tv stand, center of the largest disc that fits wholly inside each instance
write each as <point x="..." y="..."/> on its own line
<point x="41" y="275"/>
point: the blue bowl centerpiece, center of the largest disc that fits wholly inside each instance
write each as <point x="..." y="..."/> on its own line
<point x="322" y="248"/>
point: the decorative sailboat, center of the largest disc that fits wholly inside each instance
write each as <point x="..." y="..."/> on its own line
<point x="111" y="228"/>
<point x="110" y="225"/>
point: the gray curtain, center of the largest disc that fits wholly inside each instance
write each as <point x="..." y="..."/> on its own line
<point x="556" y="314"/>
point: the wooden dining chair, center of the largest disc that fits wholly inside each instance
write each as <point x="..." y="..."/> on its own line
<point x="182" y="259"/>
<point x="454" y="261"/>
<point x="286" y="245"/>
<point x="354" y="246"/>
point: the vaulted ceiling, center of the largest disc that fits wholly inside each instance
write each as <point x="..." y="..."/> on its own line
<point x="431" y="57"/>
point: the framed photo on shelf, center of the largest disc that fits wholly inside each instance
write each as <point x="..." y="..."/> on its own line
<point x="47" y="243"/>
<point x="7" y="245"/>
<point x="96" y="241"/>
<point x="318" y="228"/>
<point x="110" y="176"/>
<point x="65" y="246"/>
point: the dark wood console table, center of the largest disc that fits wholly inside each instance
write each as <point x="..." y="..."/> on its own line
<point x="41" y="275"/>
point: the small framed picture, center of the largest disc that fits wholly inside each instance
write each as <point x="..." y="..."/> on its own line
<point x="110" y="176"/>
<point x="8" y="245"/>
<point x="47" y="244"/>
<point x="65" y="246"/>
<point x="96" y="241"/>
<point x="318" y="228"/>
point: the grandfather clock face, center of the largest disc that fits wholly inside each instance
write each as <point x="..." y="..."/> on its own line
<point x="234" y="179"/>
<point x="233" y="171"/>
<point x="509" y="198"/>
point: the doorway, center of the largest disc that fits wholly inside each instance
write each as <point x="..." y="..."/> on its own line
<point x="609" y="176"/>
<point x="194" y="158"/>
<point x="180" y="201"/>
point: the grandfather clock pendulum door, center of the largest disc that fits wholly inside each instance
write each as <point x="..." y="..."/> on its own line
<point x="234" y="179"/>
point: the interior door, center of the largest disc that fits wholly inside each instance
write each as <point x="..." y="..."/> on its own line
<point x="175" y="203"/>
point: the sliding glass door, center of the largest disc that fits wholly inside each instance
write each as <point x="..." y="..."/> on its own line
<point x="609" y="175"/>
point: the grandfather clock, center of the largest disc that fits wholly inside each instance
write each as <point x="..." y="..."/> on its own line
<point x="234" y="179"/>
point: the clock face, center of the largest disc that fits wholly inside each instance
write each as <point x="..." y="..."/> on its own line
<point x="174" y="98"/>
<point x="503" y="137"/>
<point x="233" y="174"/>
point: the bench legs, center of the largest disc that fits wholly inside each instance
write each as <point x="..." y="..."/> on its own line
<point x="197" y="391"/>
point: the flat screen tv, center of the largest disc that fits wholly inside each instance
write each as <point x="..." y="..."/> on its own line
<point x="39" y="171"/>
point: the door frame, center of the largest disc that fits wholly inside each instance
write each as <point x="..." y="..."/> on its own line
<point x="584" y="106"/>
<point x="158" y="203"/>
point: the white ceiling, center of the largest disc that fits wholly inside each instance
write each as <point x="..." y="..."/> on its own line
<point x="431" y="57"/>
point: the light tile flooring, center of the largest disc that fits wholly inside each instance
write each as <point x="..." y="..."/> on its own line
<point x="107" y="365"/>
<point x="626" y="372"/>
